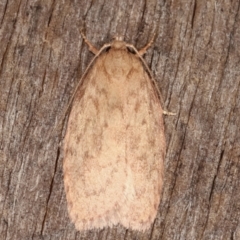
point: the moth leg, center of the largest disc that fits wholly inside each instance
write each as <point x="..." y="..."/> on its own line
<point x="168" y="113"/>
<point x="144" y="49"/>
<point x="93" y="49"/>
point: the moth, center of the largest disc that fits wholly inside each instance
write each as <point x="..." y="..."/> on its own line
<point x="114" y="145"/>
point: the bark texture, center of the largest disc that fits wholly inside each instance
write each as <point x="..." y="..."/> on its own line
<point x="195" y="59"/>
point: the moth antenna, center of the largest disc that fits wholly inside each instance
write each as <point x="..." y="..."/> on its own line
<point x="91" y="48"/>
<point x="144" y="49"/>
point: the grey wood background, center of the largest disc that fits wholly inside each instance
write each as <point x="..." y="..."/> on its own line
<point x="196" y="62"/>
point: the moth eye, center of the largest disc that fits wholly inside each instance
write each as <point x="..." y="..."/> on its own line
<point x="131" y="50"/>
<point x="107" y="49"/>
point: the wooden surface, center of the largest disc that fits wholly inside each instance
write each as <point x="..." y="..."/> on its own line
<point x="196" y="61"/>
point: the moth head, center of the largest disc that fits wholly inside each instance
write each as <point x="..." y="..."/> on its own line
<point x="118" y="42"/>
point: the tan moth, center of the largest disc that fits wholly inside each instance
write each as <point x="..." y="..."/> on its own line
<point x="114" y="146"/>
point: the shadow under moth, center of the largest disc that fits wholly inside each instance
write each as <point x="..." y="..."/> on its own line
<point x="114" y="145"/>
